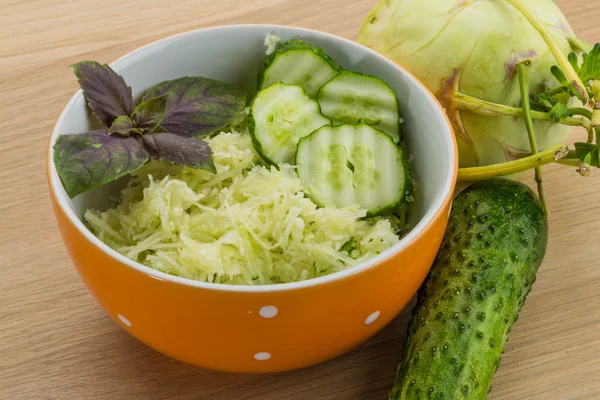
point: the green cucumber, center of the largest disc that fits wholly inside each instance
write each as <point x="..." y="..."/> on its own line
<point x="350" y="98"/>
<point x="298" y="63"/>
<point x="353" y="164"/>
<point x="279" y="116"/>
<point x="494" y="244"/>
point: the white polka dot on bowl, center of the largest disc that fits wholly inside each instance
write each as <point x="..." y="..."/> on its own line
<point x="268" y="311"/>
<point x="262" y="356"/>
<point x="124" y="320"/>
<point x="372" y="318"/>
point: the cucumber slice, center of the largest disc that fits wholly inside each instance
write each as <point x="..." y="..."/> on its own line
<point x="350" y="98"/>
<point x="298" y="63"/>
<point x="349" y="164"/>
<point x="279" y="116"/>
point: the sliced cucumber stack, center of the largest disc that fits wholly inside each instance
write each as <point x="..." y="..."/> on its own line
<point x="279" y="117"/>
<point x="298" y="63"/>
<point x="350" y="98"/>
<point x="349" y="164"/>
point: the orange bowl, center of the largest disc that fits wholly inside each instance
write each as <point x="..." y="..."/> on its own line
<point x="275" y="327"/>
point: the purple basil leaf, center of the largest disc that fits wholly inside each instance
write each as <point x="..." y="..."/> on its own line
<point x="198" y="106"/>
<point x="87" y="160"/>
<point x="105" y="91"/>
<point x="150" y="113"/>
<point x="123" y="125"/>
<point x="180" y="150"/>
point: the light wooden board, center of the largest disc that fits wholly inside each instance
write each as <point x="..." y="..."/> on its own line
<point x="56" y="342"/>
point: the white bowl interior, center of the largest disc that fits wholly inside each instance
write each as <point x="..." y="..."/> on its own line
<point x="234" y="54"/>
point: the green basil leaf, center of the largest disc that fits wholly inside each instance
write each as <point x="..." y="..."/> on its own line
<point x="198" y="106"/>
<point x="87" y="160"/>
<point x="105" y="91"/>
<point x="180" y="150"/>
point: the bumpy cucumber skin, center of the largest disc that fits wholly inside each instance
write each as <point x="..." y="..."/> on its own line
<point x="293" y="44"/>
<point x="493" y="247"/>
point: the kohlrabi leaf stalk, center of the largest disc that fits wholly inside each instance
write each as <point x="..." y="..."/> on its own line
<point x="523" y="73"/>
<point x="551" y="155"/>
<point x="466" y="102"/>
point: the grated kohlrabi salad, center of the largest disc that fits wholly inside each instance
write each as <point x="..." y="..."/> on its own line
<point x="247" y="224"/>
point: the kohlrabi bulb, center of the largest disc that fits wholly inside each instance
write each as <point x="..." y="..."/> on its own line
<point x="474" y="45"/>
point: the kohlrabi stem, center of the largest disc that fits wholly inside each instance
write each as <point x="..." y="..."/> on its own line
<point x="466" y="102"/>
<point x="512" y="167"/>
<point x="523" y="72"/>
<point x="571" y="162"/>
<point x="579" y="44"/>
<point x="556" y="90"/>
<point x="581" y="111"/>
<point x="543" y="30"/>
<point x="587" y="114"/>
<point x="570" y="159"/>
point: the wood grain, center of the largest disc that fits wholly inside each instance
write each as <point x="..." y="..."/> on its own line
<point x="55" y="341"/>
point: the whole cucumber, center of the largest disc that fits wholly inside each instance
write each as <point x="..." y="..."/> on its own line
<point x="495" y="241"/>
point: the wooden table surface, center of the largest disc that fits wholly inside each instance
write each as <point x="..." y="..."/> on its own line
<point x="56" y="342"/>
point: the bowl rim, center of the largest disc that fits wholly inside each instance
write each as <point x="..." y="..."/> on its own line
<point x="61" y="199"/>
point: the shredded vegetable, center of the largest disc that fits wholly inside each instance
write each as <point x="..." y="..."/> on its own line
<point x="247" y="224"/>
<point x="271" y="42"/>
